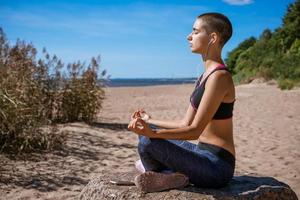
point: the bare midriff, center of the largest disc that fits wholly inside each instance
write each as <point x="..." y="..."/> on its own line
<point x="219" y="133"/>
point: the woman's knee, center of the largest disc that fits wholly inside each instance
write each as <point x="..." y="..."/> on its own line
<point x="143" y="144"/>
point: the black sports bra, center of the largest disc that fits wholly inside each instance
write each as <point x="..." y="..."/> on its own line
<point x="225" y="109"/>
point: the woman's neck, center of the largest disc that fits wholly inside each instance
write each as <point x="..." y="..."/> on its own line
<point x="212" y="64"/>
<point x="213" y="59"/>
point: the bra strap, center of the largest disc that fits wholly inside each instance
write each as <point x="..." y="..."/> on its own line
<point x="220" y="67"/>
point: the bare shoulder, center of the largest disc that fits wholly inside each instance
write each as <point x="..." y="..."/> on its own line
<point x="220" y="79"/>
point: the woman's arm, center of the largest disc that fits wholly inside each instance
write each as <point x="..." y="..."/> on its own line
<point x="166" y="124"/>
<point x="186" y="121"/>
<point x="215" y="89"/>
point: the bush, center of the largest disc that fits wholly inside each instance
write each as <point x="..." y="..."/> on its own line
<point x="286" y="84"/>
<point x="35" y="93"/>
<point x="273" y="56"/>
<point x="81" y="96"/>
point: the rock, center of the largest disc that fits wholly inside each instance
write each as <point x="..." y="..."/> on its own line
<point x="241" y="187"/>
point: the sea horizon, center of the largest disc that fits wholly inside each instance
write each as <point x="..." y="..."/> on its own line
<point x="139" y="82"/>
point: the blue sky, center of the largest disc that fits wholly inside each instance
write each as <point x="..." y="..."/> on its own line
<point x="135" y="39"/>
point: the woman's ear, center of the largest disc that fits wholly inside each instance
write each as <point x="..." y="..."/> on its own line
<point x="213" y="38"/>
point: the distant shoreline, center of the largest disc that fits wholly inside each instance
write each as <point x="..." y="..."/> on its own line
<point x="140" y="82"/>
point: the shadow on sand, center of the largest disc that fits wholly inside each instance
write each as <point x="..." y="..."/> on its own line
<point x="111" y="126"/>
<point x="70" y="166"/>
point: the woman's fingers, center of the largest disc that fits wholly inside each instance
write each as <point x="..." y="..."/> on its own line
<point x="136" y="125"/>
<point x="130" y="125"/>
<point x="140" y="127"/>
<point x="141" y="123"/>
<point x="135" y="115"/>
<point x="132" y="116"/>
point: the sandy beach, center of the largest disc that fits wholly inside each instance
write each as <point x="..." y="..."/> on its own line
<point x="266" y="134"/>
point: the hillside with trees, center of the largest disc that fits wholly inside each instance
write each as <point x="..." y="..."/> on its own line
<point x="274" y="55"/>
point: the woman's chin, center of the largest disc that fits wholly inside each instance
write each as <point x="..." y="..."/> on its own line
<point x="194" y="50"/>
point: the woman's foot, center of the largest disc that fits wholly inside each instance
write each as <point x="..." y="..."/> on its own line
<point x="154" y="182"/>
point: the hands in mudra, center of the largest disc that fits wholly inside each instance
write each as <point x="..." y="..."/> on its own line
<point x="138" y="123"/>
<point x="140" y="113"/>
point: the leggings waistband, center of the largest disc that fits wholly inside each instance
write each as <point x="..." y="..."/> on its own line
<point x="218" y="151"/>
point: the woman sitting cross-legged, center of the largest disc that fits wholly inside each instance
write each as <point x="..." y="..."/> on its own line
<point x="167" y="160"/>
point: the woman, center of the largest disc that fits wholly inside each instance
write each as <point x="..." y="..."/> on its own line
<point x="169" y="160"/>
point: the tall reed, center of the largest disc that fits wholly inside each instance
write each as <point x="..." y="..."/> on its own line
<point x="38" y="93"/>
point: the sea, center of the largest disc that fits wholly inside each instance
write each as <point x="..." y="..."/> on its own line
<point x="139" y="82"/>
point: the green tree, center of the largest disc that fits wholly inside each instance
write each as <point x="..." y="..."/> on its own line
<point x="235" y="53"/>
<point x="291" y="25"/>
<point x="273" y="55"/>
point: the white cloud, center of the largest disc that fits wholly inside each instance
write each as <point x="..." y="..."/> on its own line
<point x="238" y="2"/>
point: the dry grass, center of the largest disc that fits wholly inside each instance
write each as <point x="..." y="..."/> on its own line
<point x="34" y="93"/>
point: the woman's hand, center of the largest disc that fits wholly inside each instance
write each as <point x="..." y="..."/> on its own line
<point x="141" y="113"/>
<point x="140" y="127"/>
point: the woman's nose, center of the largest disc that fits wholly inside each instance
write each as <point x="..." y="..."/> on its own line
<point x="189" y="37"/>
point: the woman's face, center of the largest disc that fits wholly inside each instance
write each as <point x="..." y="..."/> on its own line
<point x="198" y="38"/>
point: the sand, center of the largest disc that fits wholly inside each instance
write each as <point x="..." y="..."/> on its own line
<point x="266" y="133"/>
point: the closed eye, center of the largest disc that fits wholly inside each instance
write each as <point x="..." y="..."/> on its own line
<point x="195" y="31"/>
